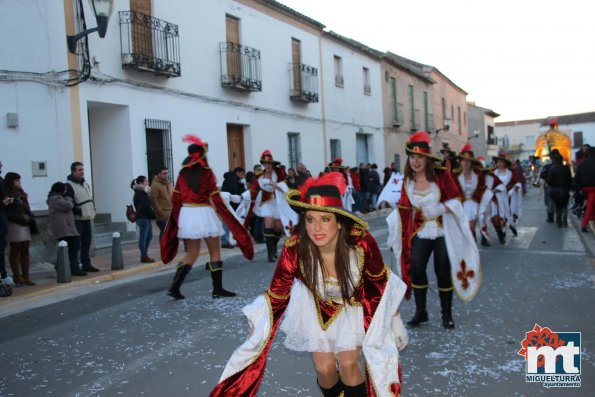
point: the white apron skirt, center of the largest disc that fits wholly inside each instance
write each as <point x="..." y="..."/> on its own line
<point x="199" y="222"/>
<point x="304" y="333"/>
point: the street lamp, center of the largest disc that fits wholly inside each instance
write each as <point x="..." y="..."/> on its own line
<point x="103" y="10"/>
<point x="445" y="128"/>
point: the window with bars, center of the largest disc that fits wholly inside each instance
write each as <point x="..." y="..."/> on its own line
<point x="367" y="86"/>
<point x="159" y="149"/>
<point x="338" y="71"/>
<point x="295" y="149"/>
<point x="335" y="148"/>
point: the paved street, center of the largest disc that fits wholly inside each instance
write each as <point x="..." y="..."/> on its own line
<point x="131" y="340"/>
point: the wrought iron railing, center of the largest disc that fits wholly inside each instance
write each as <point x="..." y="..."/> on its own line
<point x="240" y="67"/>
<point x="303" y="80"/>
<point x="149" y="44"/>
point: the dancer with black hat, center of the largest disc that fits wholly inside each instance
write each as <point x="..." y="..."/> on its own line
<point x="267" y="195"/>
<point x="509" y="194"/>
<point x="430" y="219"/>
<point x="195" y="204"/>
<point x="476" y="187"/>
<point x="337" y="299"/>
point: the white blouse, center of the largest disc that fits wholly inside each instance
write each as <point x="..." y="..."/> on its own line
<point x="431" y="229"/>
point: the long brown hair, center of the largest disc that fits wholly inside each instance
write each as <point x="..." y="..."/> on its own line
<point x="429" y="170"/>
<point x="193" y="175"/>
<point x="309" y="256"/>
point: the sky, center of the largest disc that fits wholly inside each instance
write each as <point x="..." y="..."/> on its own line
<point x="523" y="59"/>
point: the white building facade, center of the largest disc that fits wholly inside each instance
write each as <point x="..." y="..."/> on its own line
<point x="352" y="97"/>
<point x="130" y="116"/>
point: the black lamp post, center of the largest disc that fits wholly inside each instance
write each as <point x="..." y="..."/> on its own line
<point x="103" y="10"/>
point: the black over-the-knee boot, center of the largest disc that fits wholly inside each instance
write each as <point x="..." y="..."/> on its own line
<point x="269" y="237"/>
<point x="421" y="315"/>
<point x="334" y="391"/>
<point x="355" y="391"/>
<point x="217" y="277"/>
<point x="446" y="305"/>
<point x="181" y="273"/>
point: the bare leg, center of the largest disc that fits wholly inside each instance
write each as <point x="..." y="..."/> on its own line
<point x="351" y="373"/>
<point x="326" y="369"/>
<point x="192" y="251"/>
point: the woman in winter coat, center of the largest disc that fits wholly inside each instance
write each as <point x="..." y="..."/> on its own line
<point x="144" y="215"/>
<point x="62" y="224"/>
<point x="19" y="217"/>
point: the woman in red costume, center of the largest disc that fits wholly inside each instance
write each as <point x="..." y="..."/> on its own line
<point x="195" y="201"/>
<point x="265" y="193"/>
<point x="339" y="300"/>
<point x="430" y="219"/>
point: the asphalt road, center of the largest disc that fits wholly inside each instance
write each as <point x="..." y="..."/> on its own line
<point x="132" y="340"/>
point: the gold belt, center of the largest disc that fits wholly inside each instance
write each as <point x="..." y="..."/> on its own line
<point x="195" y="205"/>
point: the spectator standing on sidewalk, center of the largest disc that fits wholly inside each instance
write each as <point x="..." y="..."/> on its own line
<point x="585" y="180"/>
<point x="234" y="184"/>
<point x="19" y="217"/>
<point x="4" y="201"/>
<point x="84" y="211"/>
<point x="374" y="186"/>
<point x="160" y="196"/>
<point x="144" y="216"/>
<point x="559" y="180"/>
<point x="62" y="224"/>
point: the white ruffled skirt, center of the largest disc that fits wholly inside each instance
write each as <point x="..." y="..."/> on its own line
<point x="471" y="209"/>
<point x="304" y="333"/>
<point x="268" y="209"/>
<point x="199" y="222"/>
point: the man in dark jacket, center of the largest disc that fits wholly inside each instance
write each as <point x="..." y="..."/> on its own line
<point x="559" y="181"/>
<point x="4" y="201"/>
<point x="585" y="180"/>
<point x="233" y="183"/>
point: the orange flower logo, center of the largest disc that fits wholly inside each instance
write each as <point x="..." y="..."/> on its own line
<point x="539" y="337"/>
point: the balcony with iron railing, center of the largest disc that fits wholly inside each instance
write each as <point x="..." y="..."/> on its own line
<point x="303" y="80"/>
<point x="149" y="44"/>
<point x="240" y="67"/>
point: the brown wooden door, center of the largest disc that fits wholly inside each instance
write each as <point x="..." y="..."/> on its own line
<point x="296" y="59"/>
<point x="232" y="32"/>
<point x="140" y="29"/>
<point x="235" y="146"/>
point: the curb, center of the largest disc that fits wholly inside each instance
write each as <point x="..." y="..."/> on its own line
<point x="120" y="274"/>
<point x="586" y="238"/>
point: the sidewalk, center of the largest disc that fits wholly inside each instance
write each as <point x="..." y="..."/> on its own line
<point x="44" y="275"/>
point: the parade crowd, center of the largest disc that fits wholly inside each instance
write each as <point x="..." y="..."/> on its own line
<point x="331" y="293"/>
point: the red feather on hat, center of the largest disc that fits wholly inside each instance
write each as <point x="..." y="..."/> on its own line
<point x="466" y="148"/>
<point x="332" y="178"/>
<point x="420" y="136"/>
<point x="193" y="139"/>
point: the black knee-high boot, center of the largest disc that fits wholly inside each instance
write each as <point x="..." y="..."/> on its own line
<point x="269" y="237"/>
<point x="181" y="273"/>
<point x="446" y="305"/>
<point x="217" y="277"/>
<point x="421" y="315"/>
<point x="334" y="391"/>
<point x="355" y="391"/>
<point x="276" y="243"/>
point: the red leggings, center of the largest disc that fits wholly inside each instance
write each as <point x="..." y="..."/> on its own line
<point x="590" y="211"/>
